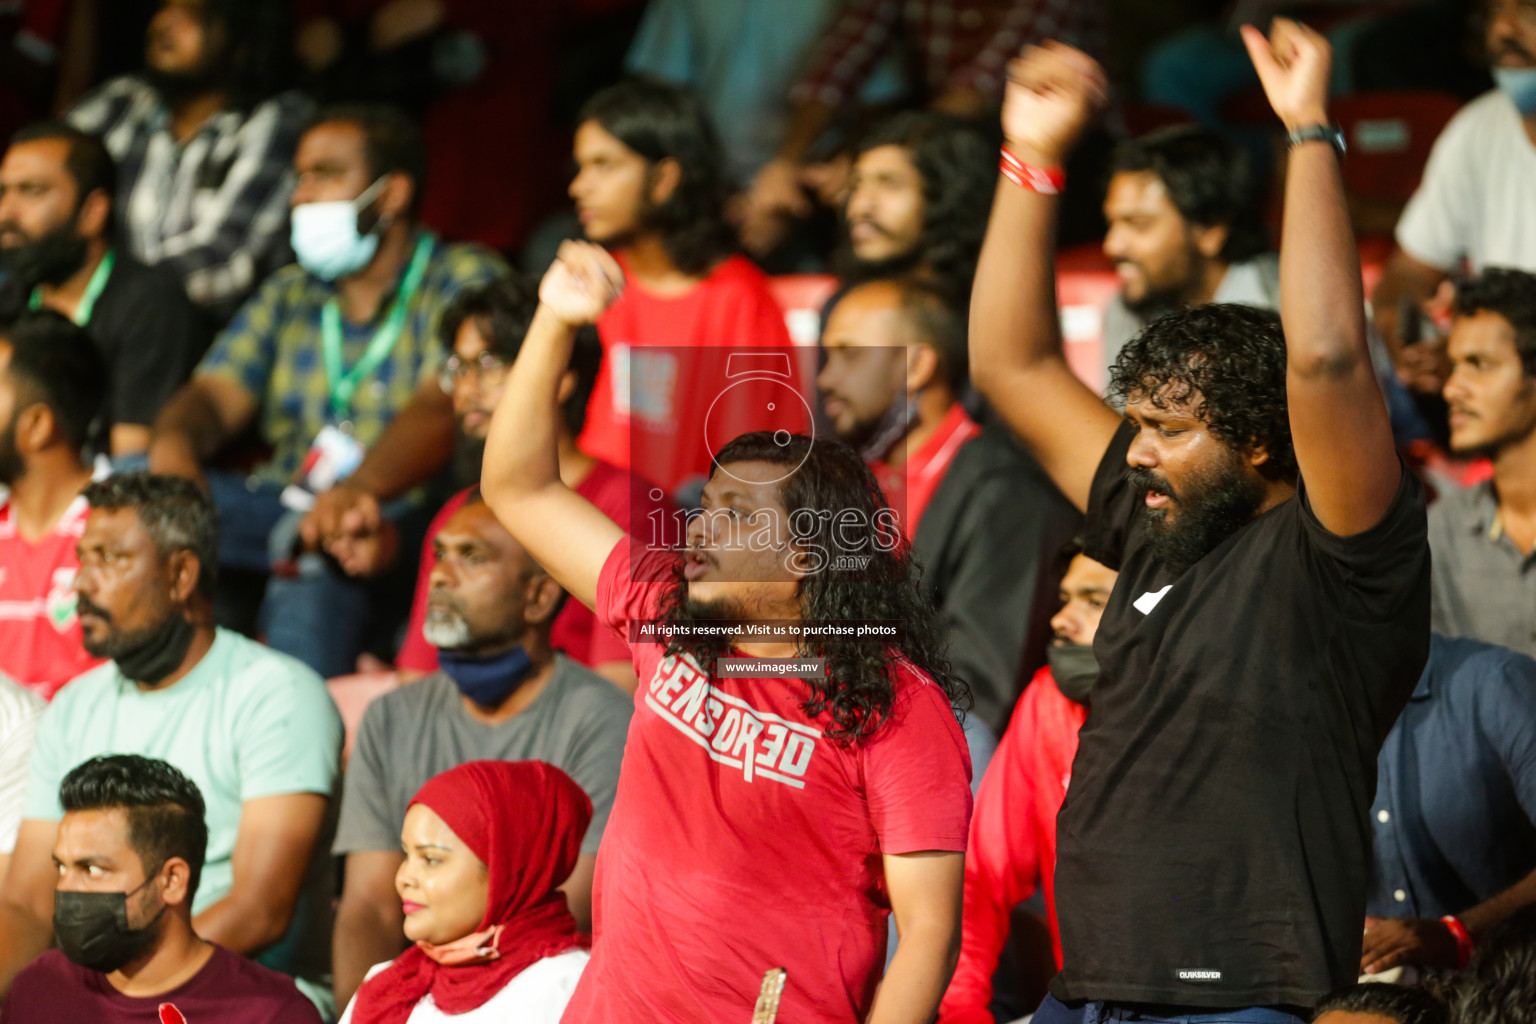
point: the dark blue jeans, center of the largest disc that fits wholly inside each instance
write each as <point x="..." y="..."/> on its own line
<point x="1053" y="1012"/>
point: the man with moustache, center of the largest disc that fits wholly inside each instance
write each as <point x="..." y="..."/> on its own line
<point x="984" y="520"/>
<point x="52" y="385"/>
<point x="1012" y="849"/>
<point x="1476" y="204"/>
<point x="58" y="237"/>
<point x="483" y="327"/>
<point x="204" y="156"/>
<point x="130" y="853"/>
<point x="254" y="729"/>
<point x="1271" y="617"/>
<point x="501" y="693"/>
<point x="1483" y="537"/>
<point x="1184" y="229"/>
<point x="922" y="185"/>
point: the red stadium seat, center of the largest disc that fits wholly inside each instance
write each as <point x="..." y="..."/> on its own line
<point x="1389" y="135"/>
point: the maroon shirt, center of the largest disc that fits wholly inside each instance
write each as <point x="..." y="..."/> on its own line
<point x="228" y="990"/>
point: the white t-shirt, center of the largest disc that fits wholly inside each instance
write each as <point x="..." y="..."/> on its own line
<point x="19" y="712"/>
<point x="1478" y="198"/>
<point x="536" y="996"/>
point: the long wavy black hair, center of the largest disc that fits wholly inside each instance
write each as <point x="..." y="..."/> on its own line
<point x="858" y="688"/>
<point x="661" y="121"/>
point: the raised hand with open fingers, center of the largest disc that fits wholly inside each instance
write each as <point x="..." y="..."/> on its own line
<point x="581" y="284"/>
<point x="1053" y="91"/>
<point x="1293" y="64"/>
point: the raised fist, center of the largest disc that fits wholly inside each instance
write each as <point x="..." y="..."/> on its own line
<point x="581" y="284"/>
<point x="1293" y="65"/>
<point x="1053" y="91"/>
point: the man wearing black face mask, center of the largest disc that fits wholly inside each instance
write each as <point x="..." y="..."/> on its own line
<point x="983" y="518"/>
<point x="501" y="694"/>
<point x="255" y="729"/>
<point x="57" y="238"/>
<point x="130" y="854"/>
<point x="1012" y="848"/>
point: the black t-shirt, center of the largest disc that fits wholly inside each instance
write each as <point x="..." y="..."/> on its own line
<point x="1214" y="847"/>
<point x="151" y="337"/>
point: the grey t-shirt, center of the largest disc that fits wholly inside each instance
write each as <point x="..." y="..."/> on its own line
<point x="578" y="724"/>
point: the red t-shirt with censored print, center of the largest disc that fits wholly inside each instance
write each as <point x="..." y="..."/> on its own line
<point x="743" y="839"/>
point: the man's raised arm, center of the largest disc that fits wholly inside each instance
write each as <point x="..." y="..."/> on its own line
<point x="1338" y="417"/>
<point x="520" y="477"/>
<point x="1016" y="356"/>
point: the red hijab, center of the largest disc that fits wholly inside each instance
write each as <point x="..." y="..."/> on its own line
<point x="525" y="821"/>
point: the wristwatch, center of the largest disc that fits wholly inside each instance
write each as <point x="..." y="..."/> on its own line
<point x="1329" y="133"/>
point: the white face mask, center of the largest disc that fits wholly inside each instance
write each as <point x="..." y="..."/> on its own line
<point x="325" y="237"/>
<point x="1519" y="84"/>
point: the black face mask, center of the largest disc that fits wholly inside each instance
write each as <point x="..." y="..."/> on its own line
<point x="50" y="259"/>
<point x="152" y="655"/>
<point x="1074" y="668"/>
<point x="92" y="929"/>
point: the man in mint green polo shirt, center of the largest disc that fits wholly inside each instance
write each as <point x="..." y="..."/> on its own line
<point x="254" y="729"/>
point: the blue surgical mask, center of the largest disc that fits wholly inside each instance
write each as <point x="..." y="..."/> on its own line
<point x="325" y="236"/>
<point x="486" y="681"/>
<point x="1519" y="84"/>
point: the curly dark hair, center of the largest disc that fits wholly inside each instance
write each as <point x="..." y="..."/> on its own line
<point x="1499" y="984"/>
<point x="1394" y="1002"/>
<point x="1512" y="295"/>
<point x="1209" y="180"/>
<point x="1230" y="359"/>
<point x="957" y="163"/>
<point x="661" y="121"/>
<point x="858" y="688"/>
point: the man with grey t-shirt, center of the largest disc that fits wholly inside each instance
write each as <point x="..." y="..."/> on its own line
<point x="501" y="694"/>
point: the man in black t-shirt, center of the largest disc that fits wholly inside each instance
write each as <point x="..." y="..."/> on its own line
<point x="1272" y="611"/>
<point x="56" y="237"/>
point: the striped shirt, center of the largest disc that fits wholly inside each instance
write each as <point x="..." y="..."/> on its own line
<point x="216" y="207"/>
<point x="19" y="712"/>
<point x="948" y="44"/>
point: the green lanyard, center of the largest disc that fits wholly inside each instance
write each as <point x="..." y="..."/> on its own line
<point x="93" y="290"/>
<point x="344" y="384"/>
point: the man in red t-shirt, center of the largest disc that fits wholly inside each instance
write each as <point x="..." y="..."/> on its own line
<point x="986" y="523"/>
<point x="1013" y="830"/>
<point x="130" y="851"/>
<point x="770" y="813"/>
<point x="696" y="350"/>
<point x="52" y="386"/>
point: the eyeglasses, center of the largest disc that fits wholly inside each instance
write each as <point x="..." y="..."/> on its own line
<point x="489" y="370"/>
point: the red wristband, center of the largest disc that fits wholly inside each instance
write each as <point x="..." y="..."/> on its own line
<point x="1463" y="939"/>
<point x="1048" y="181"/>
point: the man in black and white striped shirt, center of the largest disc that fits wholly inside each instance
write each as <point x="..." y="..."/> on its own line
<point x="204" y="171"/>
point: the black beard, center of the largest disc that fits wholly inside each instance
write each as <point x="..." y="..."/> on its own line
<point x="1212" y="508"/>
<point x="49" y="259"/>
<point x="177" y="86"/>
<point x="468" y="454"/>
<point x="719" y="610"/>
<point x="853" y="270"/>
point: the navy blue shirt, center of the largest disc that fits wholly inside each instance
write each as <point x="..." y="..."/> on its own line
<point x="1455" y="811"/>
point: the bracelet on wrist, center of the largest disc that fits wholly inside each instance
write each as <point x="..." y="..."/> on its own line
<point x="1462" y="936"/>
<point x="1048" y="181"/>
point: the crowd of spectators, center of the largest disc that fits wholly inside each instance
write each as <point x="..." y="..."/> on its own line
<point x="665" y="414"/>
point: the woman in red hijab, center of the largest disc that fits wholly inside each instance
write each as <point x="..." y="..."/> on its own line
<point x="485" y="845"/>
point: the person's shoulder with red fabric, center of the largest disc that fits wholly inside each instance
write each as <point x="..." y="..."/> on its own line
<point x="39" y="628"/>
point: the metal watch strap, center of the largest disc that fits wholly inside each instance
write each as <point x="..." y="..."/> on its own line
<point x="1329" y="133"/>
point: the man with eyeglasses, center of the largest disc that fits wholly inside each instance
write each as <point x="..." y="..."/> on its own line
<point x="483" y="327"/>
